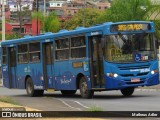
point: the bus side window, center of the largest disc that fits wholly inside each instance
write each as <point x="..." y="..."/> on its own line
<point x="23" y="53"/>
<point x="78" y="47"/>
<point x="62" y="49"/>
<point x="4" y="56"/>
<point x="34" y="52"/>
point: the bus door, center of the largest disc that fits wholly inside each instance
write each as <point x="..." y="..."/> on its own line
<point x="96" y="61"/>
<point x="12" y="67"/>
<point x="48" y="68"/>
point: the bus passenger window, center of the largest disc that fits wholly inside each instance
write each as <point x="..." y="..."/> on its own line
<point x="34" y="52"/>
<point x="78" y="47"/>
<point x="23" y="53"/>
<point x="4" y="52"/>
<point x="62" y="49"/>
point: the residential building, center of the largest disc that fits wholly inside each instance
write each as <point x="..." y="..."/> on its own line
<point x="72" y="8"/>
<point x="56" y="6"/>
<point x="103" y="6"/>
<point x="7" y="11"/>
<point x="27" y="28"/>
<point x="15" y="5"/>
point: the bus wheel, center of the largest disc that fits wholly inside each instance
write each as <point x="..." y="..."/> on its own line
<point x="85" y="93"/>
<point x="29" y="87"/>
<point x="127" y="91"/>
<point x="68" y="92"/>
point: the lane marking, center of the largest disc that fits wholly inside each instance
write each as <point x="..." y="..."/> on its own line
<point x="69" y="105"/>
<point x="81" y="104"/>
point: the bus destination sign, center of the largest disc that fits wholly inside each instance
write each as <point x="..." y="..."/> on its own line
<point x="130" y="27"/>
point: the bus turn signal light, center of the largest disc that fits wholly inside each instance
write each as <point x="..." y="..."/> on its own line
<point x="112" y="75"/>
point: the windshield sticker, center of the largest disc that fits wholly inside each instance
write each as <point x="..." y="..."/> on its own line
<point x="121" y="57"/>
<point x="117" y="54"/>
<point x="137" y="57"/>
<point x="143" y="58"/>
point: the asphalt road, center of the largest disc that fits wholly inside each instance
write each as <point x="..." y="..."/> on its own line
<point x="142" y="100"/>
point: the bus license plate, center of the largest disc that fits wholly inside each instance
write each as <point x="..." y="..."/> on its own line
<point x="135" y="80"/>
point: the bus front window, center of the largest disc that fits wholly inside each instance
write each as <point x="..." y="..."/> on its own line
<point x="129" y="47"/>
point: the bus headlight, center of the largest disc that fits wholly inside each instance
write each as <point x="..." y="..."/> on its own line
<point x="115" y="75"/>
<point x="154" y="71"/>
<point x="112" y="75"/>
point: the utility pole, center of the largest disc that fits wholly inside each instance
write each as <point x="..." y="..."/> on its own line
<point x="3" y="21"/>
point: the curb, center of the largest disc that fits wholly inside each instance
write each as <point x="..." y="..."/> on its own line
<point x="149" y="90"/>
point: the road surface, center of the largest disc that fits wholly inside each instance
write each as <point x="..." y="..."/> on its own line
<point x="142" y="100"/>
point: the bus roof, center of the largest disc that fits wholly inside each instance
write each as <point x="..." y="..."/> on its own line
<point x="61" y="33"/>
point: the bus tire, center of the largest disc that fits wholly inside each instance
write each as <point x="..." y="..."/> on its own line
<point x="85" y="92"/>
<point x="29" y="87"/>
<point x="127" y="91"/>
<point x="68" y="92"/>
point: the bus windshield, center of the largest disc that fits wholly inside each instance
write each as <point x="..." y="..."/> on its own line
<point x="129" y="47"/>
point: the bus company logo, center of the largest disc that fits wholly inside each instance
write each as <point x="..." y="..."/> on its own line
<point x="6" y="114"/>
<point x="64" y="81"/>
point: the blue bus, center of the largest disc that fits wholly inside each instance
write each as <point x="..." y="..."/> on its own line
<point x="110" y="56"/>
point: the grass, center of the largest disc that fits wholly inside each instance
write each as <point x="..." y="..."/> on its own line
<point x="8" y="100"/>
<point x="95" y="108"/>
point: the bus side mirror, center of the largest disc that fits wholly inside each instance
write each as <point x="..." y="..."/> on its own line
<point x="102" y="42"/>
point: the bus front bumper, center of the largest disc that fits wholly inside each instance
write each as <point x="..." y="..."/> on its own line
<point x="113" y="83"/>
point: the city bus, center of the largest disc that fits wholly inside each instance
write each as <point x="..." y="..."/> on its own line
<point x="109" y="56"/>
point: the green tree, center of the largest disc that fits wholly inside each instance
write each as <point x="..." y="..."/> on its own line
<point x="85" y="17"/>
<point x="11" y="36"/>
<point x="49" y="23"/>
<point x="39" y="15"/>
<point x="125" y="10"/>
<point x="131" y="10"/>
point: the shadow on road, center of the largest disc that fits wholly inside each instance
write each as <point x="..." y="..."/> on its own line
<point x="52" y="95"/>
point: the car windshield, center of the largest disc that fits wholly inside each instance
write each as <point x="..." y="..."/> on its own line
<point x="129" y="47"/>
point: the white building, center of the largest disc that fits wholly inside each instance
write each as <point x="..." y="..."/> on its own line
<point x="55" y="3"/>
<point x="5" y="1"/>
<point x="13" y="5"/>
